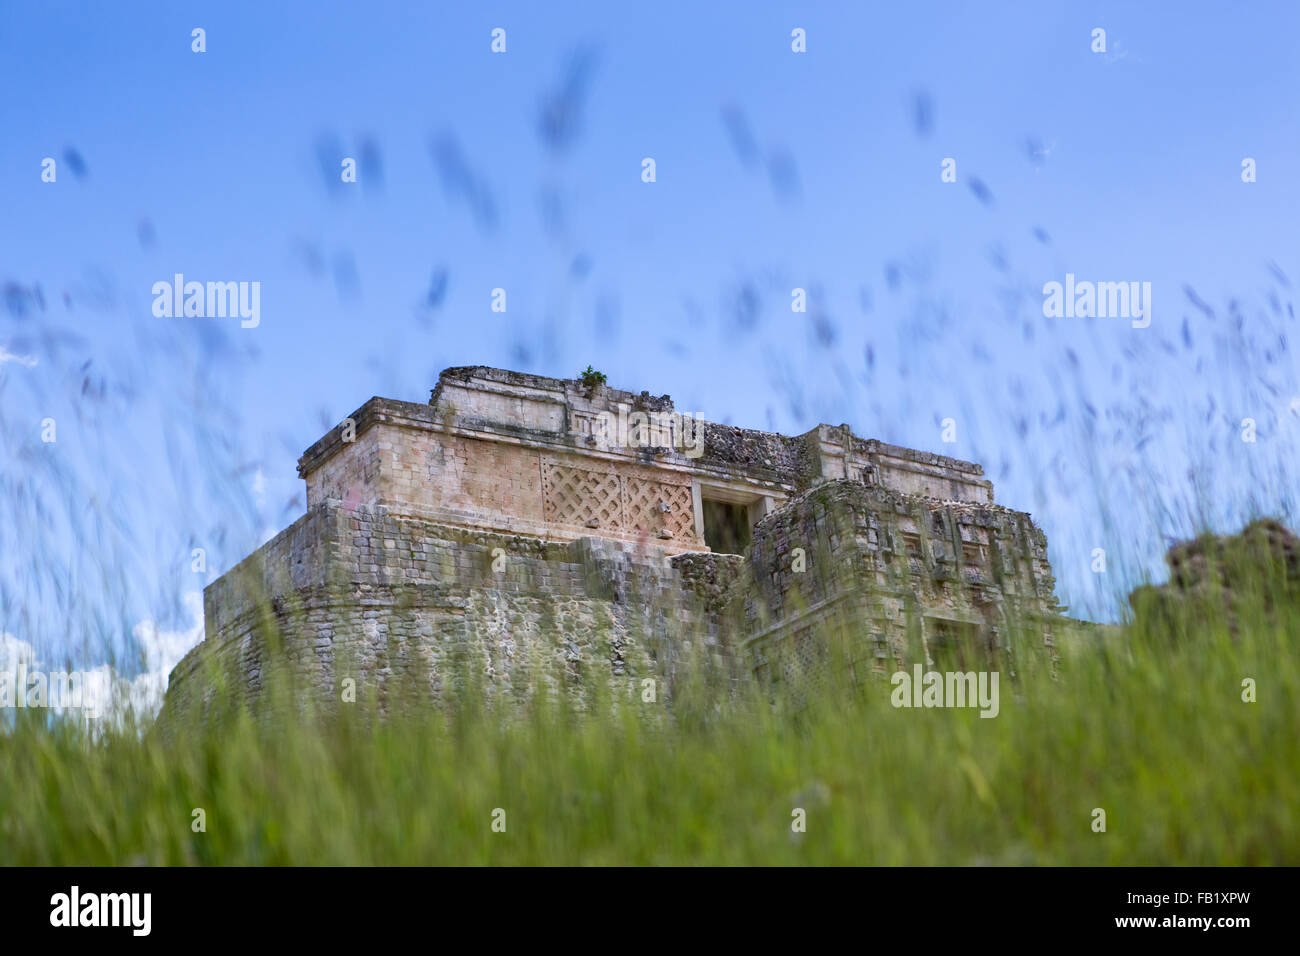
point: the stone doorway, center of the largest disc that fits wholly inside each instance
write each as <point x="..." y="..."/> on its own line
<point x="726" y="526"/>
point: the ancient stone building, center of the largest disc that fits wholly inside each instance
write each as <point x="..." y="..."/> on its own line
<point x="1215" y="577"/>
<point x="517" y="519"/>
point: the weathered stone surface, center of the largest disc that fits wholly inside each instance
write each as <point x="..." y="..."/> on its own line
<point x="518" y="519"/>
<point x="1214" y="575"/>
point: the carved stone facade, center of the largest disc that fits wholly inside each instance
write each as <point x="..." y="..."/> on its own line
<point x="517" y="518"/>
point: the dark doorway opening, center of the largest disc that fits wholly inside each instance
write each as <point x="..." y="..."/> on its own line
<point x="956" y="645"/>
<point x="726" y="526"/>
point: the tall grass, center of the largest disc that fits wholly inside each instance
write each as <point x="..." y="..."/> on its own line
<point x="1114" y="438"/>
<point x="1148" y="724"/>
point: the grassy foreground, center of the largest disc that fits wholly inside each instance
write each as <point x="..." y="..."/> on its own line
<point x="1150" y="727"/>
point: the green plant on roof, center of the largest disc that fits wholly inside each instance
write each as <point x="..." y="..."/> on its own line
<point x="591" y="378"/>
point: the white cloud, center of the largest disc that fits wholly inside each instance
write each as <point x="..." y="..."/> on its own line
<point x="163" y="650"/>
<point x="7" y="356"/>
<point x="13" y="650"/>
<point x="104" y="692"/>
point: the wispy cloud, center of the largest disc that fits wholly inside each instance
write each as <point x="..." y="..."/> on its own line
<point x="105" y="693"/>
<point x="7" y="356"/>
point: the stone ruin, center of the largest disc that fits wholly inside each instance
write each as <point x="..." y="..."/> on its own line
<point x="517" y="518"/>
<point x="1212" y="576"/>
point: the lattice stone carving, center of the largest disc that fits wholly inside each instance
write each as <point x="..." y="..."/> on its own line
<point x="803" y="662"/>
<point x="576" y="496"/>
<point x="609" y="501"/>
<point x="653" y="506"/>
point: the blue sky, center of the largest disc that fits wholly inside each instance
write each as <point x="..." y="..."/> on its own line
<point x="522" y="171"/>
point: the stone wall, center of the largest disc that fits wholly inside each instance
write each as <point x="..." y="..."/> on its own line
<point x="893" y="574"/>
<point x="527" y="454"/>
<point x="381" y="597"/>
<point x="499" y="528"/>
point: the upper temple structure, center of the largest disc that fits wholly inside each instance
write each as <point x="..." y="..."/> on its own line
<point x="517" y="519"/>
